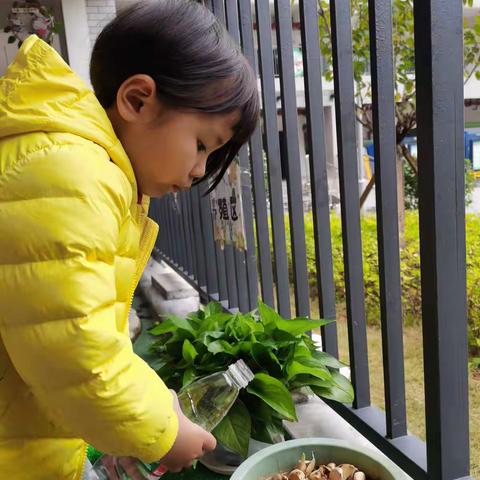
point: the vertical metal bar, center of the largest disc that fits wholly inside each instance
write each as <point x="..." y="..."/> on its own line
<point x="439" y="86"/>
<point x="182" y="198"/>
<point x="250" y="252"/>
<point x="195" y="250"/>
<point x="168" y="229"/>
<point x="174" y="231"/>
<point x="264" y="32"/>
<point x="312" y="64"/>
<point x="177" y="225"/>
<point x="221" y="273"/>
<point x="240" y="256"/>
<point x="241" y="280"/>
<point x="201" y="267"/>
<point x="219" y="10"/>
<point x="384" y="132"/>
<point x="256" y="167"/>
<point x="350" y="205"/>
<point x="231" y="276"/>
<point x="283" y="16"/>
<point x="157" y="216"/>
<point x="232" y="20"/>
<point x="224" y="265"/>
<point x="209" y="243"/>
<point x="163" y="230"/>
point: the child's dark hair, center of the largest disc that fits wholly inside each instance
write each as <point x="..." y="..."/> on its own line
<point x="191" y="57"/>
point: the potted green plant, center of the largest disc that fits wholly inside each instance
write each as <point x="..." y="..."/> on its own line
<point x="281" y="354"/>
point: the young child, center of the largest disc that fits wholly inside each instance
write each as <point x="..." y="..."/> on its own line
<point x="174" y="101"/>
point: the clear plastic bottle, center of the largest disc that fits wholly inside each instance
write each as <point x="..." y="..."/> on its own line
<point x="205" y="402"/>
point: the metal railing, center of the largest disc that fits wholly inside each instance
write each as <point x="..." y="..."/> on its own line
<point x="186" y="239"/>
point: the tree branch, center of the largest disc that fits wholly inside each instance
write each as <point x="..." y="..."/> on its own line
<point x="367" y="190"/>
<point x="474" y="69"/>
<point x="322" y="13"/>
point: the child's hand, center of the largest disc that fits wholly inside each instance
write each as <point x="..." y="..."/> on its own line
<point x="191" y="443"/>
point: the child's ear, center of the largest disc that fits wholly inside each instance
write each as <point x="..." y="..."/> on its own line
<point x="137" y="99"/>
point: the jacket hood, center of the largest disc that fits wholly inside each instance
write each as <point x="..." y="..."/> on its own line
<point x="40" y="92"/>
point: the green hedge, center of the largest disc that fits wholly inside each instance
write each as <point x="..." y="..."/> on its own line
<point x="410" y="269"/>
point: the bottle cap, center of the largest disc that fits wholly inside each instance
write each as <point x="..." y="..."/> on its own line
<point x="241" y="373"/>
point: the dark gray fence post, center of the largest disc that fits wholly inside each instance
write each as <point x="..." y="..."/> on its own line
<point x="439" y="77"/>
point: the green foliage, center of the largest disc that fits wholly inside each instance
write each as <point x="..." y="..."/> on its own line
<point x="409" y="269"/>
<point x="404" y="58"/>
<point x="281" y="354"/>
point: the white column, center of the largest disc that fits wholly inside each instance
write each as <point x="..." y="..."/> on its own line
<point x="362" y="177"/>
<point x="77" y="36"/>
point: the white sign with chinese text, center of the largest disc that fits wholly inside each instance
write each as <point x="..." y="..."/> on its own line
<point x="227" y="211"/>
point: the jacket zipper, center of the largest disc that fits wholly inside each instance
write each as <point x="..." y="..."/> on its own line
<point x="85" y="458"/>
<point x="147" y="240"/>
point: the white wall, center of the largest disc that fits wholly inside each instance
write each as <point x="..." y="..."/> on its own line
<point x="99" y="13"/>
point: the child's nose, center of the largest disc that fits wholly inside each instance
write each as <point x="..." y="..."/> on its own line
<point x="200" y="167"/>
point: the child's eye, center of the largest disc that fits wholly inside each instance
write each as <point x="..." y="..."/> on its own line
<point x="201" y="147"/>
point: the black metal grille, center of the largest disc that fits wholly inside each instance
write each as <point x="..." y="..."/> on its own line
<point x="235" y="278"/>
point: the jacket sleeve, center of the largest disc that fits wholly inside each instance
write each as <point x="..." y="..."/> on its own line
<point x="60" y="217"/>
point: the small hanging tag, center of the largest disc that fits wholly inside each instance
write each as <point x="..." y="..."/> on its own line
<point x="227" y="210"/>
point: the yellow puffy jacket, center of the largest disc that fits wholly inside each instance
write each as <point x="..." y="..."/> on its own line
<point x="73" y="243"/>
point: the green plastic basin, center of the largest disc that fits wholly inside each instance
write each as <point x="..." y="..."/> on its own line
<point x="283" y="456"/>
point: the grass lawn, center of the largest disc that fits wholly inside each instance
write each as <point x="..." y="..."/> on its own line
<point x="414" y="383"/>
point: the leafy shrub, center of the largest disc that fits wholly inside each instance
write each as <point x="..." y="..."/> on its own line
<point x="411" y="185"/>
<point x="409" y="267"/>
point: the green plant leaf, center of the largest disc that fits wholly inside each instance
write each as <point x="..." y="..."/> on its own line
<point x="188" y="351"/>
<point x="271" y="319"/>
<point x="175" y="350"/>
<point x="296" y="368"/>
<point x="215" y="322"/>
<point x="212" y="308"/>
<point x="274" y="393"/>
<point x="189" y="376"/>
<point x="268" y="316"/>
<point x="327" y="359"/>
<point x="304" y="380"/>
<point x="242" y="326"/>
<point x="222" y="346"/>
<point x="206" y="338"/>
<point x="341" y="390"/>
<point x="266" y="359"/>
<point x="233" y="432"/>
<point x="297" y="326"/>
<point x="270" y="431"/>
<point x="245" y="347"/>
<point x="171" y="324"/>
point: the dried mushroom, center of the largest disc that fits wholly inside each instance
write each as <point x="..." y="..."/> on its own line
<point x="337" y="474"/>
<point x="311" y="470"/>
<point x="359" y="476"/>
<point x="348" y="470"/>
<point x="296" y="474"/>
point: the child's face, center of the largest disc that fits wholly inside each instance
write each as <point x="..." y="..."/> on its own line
<point x="168" y="148"/>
